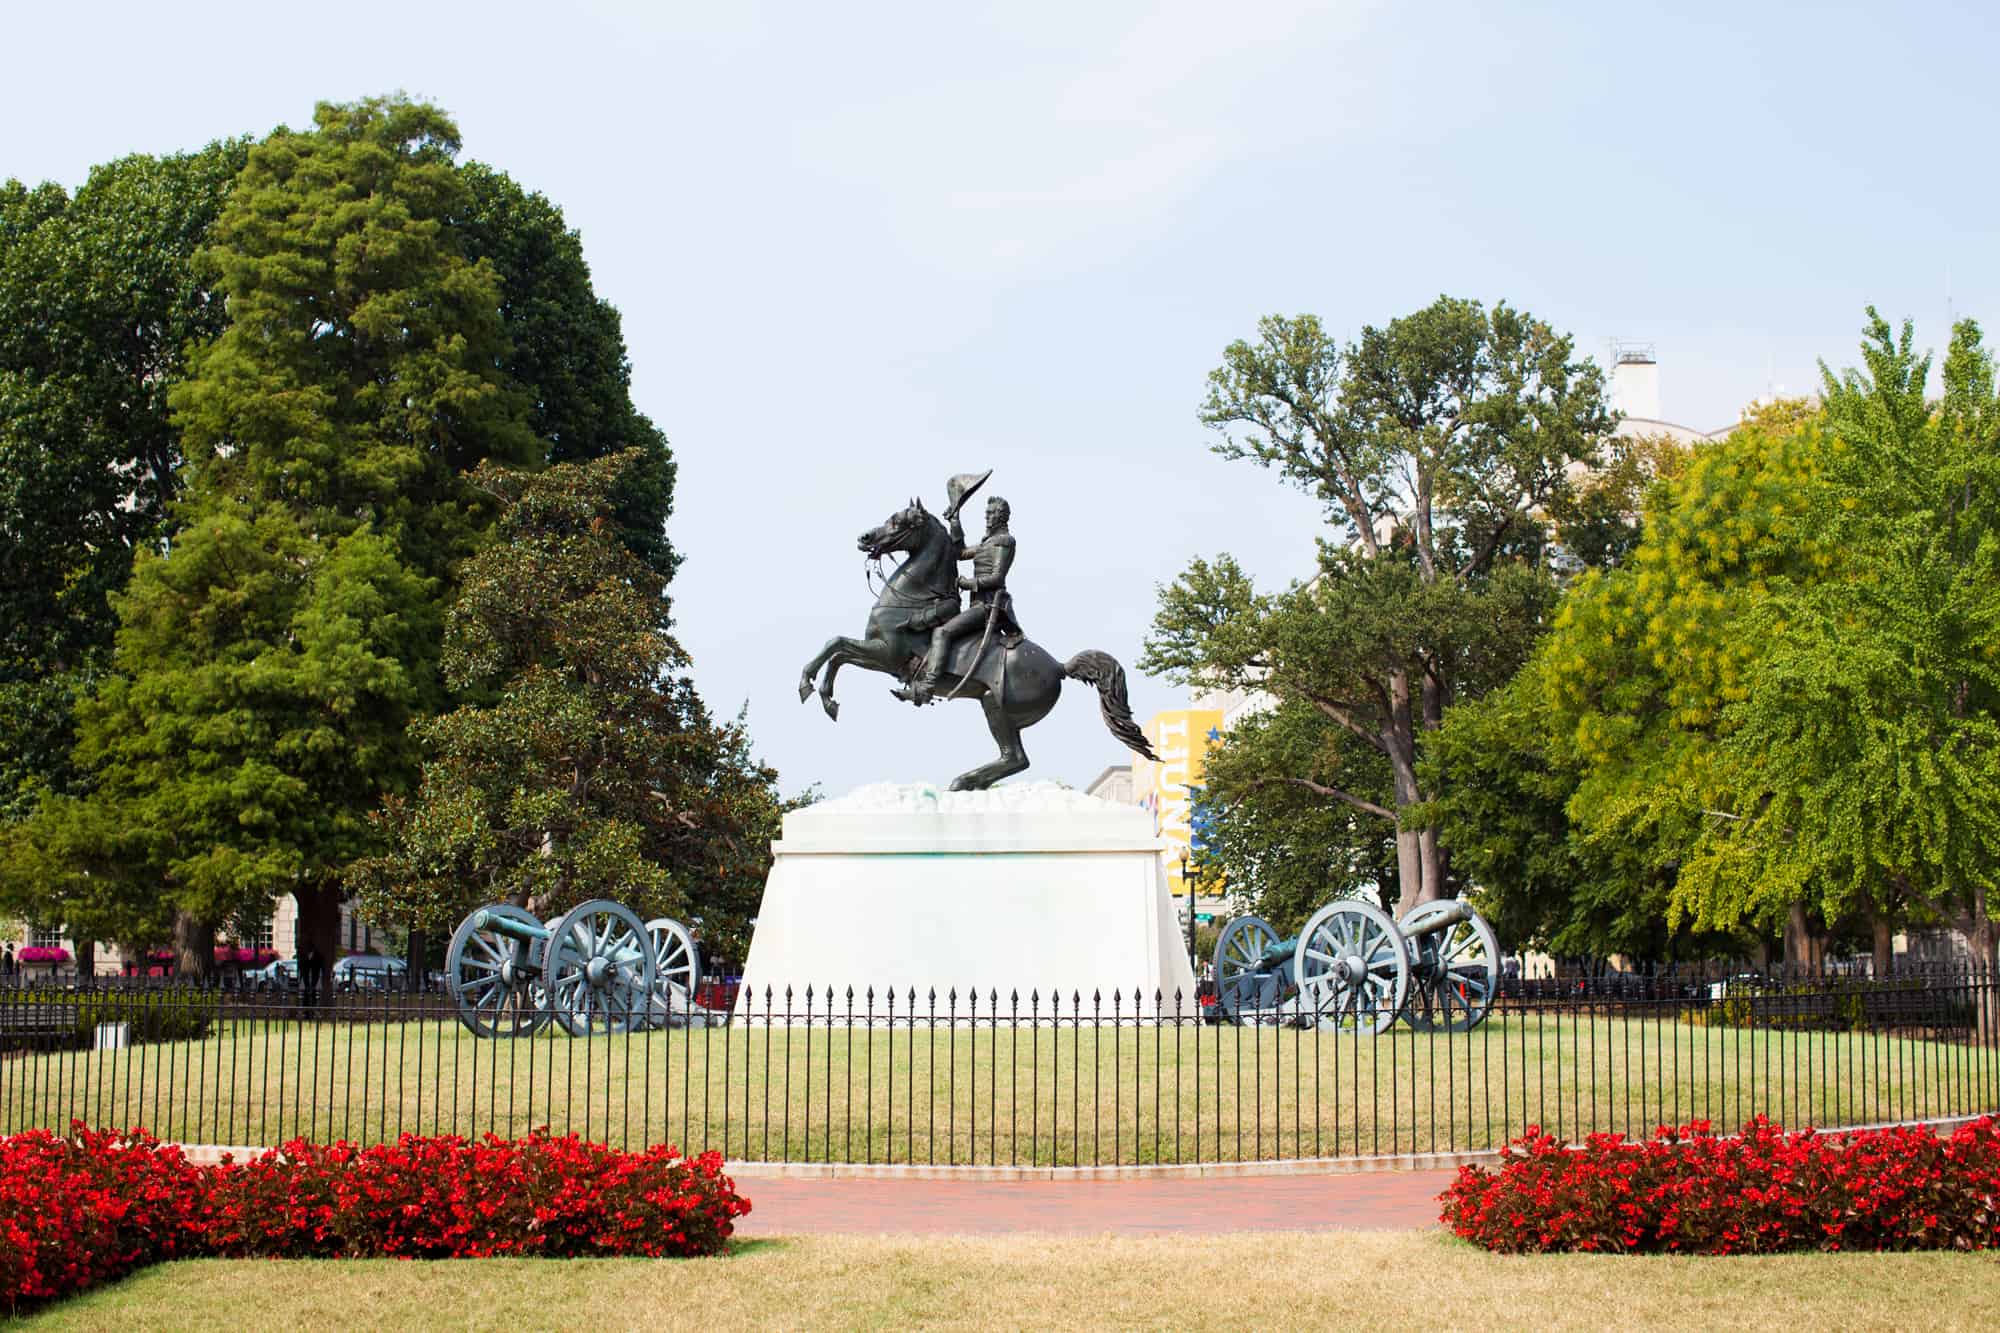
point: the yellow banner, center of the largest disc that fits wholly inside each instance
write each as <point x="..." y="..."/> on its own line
<point x="1181" y="737"/>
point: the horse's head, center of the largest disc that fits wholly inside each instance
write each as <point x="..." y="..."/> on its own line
<point x="904" y="530"/>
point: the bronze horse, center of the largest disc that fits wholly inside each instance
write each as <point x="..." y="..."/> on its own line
<point x="1015" y="681"/>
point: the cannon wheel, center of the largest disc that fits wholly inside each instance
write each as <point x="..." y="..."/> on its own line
<point x="676" y="967"/>
<point x="1353" y="968"/>
<point x="1455" y="971"/>
<point x="1241" y="991"/>
<point x="599" y="970"/>
<point x="494" y="979"/>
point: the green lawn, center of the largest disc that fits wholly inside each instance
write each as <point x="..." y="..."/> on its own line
<point x="1009" y="1095"/>
<point x="1377" y="1279"/>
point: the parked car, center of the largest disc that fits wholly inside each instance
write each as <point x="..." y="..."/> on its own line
<point x="283" y="975"/>
<point x="368" y="971"/>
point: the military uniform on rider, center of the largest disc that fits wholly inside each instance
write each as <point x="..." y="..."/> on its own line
<point x="989" y="604"/>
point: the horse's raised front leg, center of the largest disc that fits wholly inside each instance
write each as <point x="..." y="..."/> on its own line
<point x="819" y="660"/>
<point x="871" y="653"/>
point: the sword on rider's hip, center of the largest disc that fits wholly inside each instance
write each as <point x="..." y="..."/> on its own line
<point x="985" y="637"/>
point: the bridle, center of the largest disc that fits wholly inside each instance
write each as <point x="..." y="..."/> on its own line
<point x="871" y="571"/>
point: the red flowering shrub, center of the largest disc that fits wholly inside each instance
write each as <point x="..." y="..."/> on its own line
<point x="453" y="1198"/>
<point x="88" y="1207"/>
<point x="1689" y="1191"/>
<point x="79" y="1210"/>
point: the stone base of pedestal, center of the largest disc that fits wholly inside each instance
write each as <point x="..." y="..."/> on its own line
<point x="1032" y="889"/>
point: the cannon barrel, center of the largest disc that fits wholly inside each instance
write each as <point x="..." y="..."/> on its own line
<point x="512" y="927"/>
<point x="1441" y="914"/>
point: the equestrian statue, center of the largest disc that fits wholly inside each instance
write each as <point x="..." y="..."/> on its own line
<point x="940" y="649"/>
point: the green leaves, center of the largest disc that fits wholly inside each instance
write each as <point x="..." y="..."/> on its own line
<point x="1863" y="765"/>
<point x="587" y="767"/>
<point x="1442" y="446"/>
<point x="360" y="371"/>
<point x="1787" y="695"/>
<point x="99" y="303"/>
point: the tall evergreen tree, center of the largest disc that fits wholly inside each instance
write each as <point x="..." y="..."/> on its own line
<point x="359" y="374"/>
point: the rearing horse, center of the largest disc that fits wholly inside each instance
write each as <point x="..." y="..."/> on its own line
<point x="1016" y="683"/>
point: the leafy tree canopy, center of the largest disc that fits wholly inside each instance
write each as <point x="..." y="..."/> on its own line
<point x="588" y="768"/>
<point x="359" y="374"/>
<point x="1867" y="755"/>
<point x="1442" y="447"/>
<point x="100" y="301"/>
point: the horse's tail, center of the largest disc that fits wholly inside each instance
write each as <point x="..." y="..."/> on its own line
<point x="1102" y="670"/>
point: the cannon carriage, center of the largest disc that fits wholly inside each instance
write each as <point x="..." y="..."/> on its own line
<point x="1354" y="969"/>
<point x="596" y="969"/>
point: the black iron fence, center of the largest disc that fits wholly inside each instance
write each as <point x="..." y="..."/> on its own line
<point x="1015" y="1078"/>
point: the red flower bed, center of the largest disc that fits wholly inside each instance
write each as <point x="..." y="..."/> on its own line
<point x="448" y="1198"/>
<point x="1689" y="1191"/>
<point x="81" y="1209"/>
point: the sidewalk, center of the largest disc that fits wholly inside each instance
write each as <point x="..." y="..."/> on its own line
<point x="1370" y="1201"/>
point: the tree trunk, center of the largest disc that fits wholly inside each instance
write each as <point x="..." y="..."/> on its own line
<point x="1434" y="855"/>
<point x="1883" y="953"/>
<point x="416" y="958"/>
<point x="86" y="958"/>
<point x="1984" y="937"/>
<point x="319" y="936"/>
<point x="1433" y="858"/>
<point x="1798" y="938"/>
<point x="1400" y="741"/>
<point x="194" y="946"/>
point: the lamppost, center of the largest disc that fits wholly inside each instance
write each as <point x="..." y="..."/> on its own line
<point x="1187" y="887"/>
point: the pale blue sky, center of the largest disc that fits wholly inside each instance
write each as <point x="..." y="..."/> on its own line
<point x="861" y="247"/>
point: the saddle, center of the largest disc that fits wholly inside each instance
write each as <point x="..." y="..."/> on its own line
<point x="989" y="666"/>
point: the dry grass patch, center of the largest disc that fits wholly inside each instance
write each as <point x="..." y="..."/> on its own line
<point x="1221" y="1282"/>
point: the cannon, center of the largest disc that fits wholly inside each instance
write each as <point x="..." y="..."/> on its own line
<point x="598" y="968"/>
<point x="1354" y="969"/>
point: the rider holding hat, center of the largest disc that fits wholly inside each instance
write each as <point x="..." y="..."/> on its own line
<point x="991" y="609"/>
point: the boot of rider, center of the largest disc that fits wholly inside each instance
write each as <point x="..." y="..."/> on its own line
<point x="926" y="684"/>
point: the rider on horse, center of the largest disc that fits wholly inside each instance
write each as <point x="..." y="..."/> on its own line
<point x="991" y="608"/>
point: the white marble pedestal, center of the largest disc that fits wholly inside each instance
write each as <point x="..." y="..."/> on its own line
<point x="1024" y="888"/>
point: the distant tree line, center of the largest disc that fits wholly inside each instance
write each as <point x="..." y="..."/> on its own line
<point x="333" y="557"/>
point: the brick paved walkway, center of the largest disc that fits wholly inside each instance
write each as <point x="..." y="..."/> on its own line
<point x="1370" y="1201"/>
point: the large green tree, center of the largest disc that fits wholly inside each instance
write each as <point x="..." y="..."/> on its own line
<point x="1866" y="754"/>
<point x="1623" y="708"/>
<point x="101" y="302"/>
<point x="360" y="371"/>
<point x="270" y="677"/>
<point x="586" y="766"/>
<point x="269" y="660"/>
<point x="1442" y="447"/>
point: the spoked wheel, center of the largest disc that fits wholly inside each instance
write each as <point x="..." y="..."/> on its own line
<point x="495" y="979"/>
<point x="676" y="968"/>
<point x="599" y="969"/>
<point x="1248" y="990"/>
<point x="1352" y="968"/>
<point x="1455" y="968"/>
